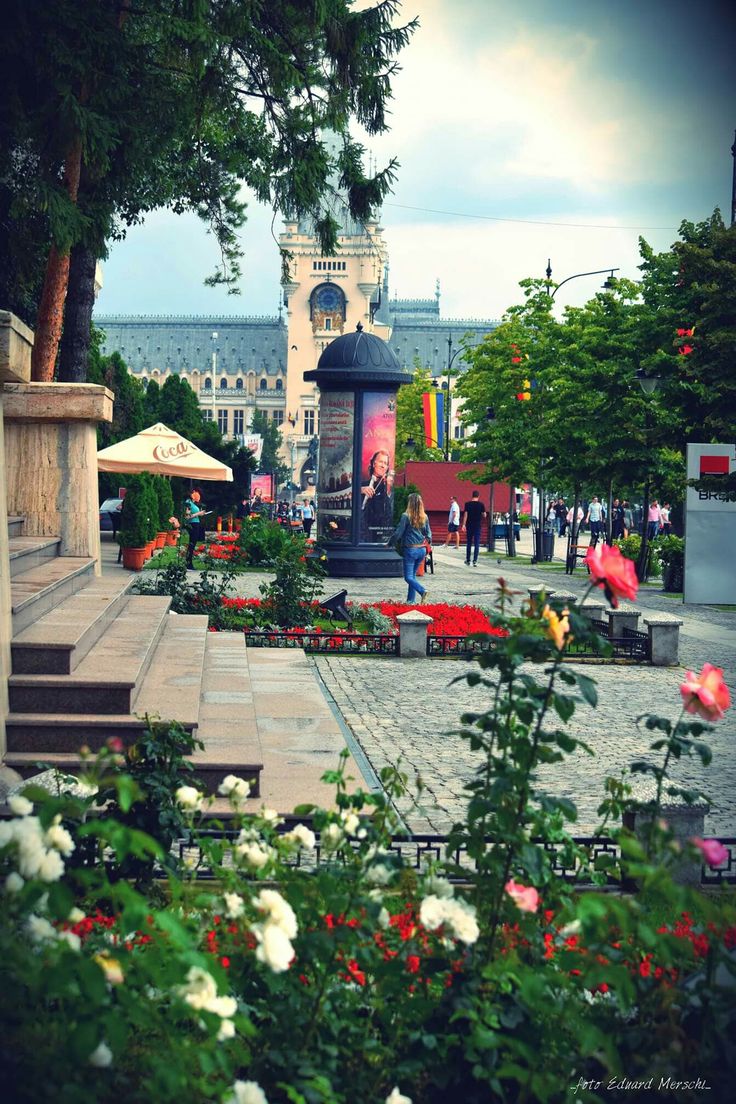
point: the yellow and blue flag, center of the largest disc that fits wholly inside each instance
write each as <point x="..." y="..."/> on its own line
<point x="433" y="403"/>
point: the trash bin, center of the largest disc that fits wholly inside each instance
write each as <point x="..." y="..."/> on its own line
<point x="548" y="548"/>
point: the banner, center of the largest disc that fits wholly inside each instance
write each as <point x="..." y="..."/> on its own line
<point x="254" y="442"/>
<point x="378" y="437"/>
<point x="433" y="403"/>
<point x="710" y="528"/>
<point x="335" y="479"/>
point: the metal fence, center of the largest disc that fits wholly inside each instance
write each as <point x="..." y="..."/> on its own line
<point x="419" y="852"/>
<point x="314" y="642"/>
<point x="631" y="645"/>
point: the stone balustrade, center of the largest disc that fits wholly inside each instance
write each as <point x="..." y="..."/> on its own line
<point x="664" y="639"/>
<point x="413" y="634"/>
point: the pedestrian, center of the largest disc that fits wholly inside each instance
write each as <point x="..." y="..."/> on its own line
<point x="569" y="516"/>
<point x="194" y="520"/>
<point x="665" y="519"/>
<point x="595" y="518"/>
<point x="307" y="517"/>
<point x="617" y="520"/>
<point x="561" y="515"/>
<point x="654" y="518"/>
<point x="453" y="523"/>
<point x="473" y="515"/>
<point x="411" y="536"/>
<point x="628" y="517"/>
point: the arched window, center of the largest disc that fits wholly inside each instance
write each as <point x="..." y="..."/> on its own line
<point x="238" y="385"/>
<point x="263" y="385"/>
<point x="279" y="385"/>
<point x="223" y="383"/>
<point x="208" y="384"/>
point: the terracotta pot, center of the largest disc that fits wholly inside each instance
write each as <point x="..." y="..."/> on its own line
<point x="149" y="549"/>
<point x="160" y="539"/>
<point x="172" y="537"/>
<point x="134" y="558"/>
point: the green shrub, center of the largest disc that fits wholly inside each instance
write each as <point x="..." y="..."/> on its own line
<point x="134" y="515"/>
<point x="630" y="547"/>
<point x="263" y="542"/>
<point x="165" y="501"/>
<point x="401" y="497"/>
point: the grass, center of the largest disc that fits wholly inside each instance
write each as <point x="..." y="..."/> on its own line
<point x="170" y="554"/>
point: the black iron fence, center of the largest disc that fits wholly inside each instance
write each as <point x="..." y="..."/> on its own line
<point x="420" y="852"/>
<point x="384" y="644"/>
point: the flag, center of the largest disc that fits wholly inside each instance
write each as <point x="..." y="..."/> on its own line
<point x="433" y="403"/>
<point x="714" y="465"/>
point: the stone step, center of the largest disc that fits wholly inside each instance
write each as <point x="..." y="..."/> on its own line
<point x="172" y="686"/>
<point x="58" y="642"/>
<point x="227" y="722"/>
<point x="15" y="526"/>
<point x="36" y="734"/>
<point x="109" y="678"/>
<point x="29" y="763"/>
<point x="44" y="586"/>
<point x="28" y="552"/>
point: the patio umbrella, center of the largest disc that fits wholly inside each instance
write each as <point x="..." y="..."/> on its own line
<point x="162" y="451"/>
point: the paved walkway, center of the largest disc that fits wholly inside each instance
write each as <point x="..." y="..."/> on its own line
<point x="408" y="710"/>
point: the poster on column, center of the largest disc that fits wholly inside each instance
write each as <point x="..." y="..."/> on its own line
<point x="334" y="483"/>
<point x="378" y="437"/>
<point x="710" y="527"/>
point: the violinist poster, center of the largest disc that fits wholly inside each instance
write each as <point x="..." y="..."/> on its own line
<point x="377" y="466"/>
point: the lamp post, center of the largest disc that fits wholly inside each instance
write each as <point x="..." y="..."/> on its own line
<point x="214" y="372"/>
<point x="649" y="385"/>
<point x="448" y="387"/>
<point x="608" y="284"/>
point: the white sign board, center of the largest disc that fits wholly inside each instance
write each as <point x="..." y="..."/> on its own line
<point x="710" y="528"/>
<point x="254" y="442"/>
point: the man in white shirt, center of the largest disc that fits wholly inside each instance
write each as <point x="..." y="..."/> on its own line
<point x="453" y="523"/>
<point x="595" y="517"/>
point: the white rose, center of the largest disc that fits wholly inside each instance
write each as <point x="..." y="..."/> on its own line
<point x="40" y="930"/>
<point x="352" y="822"/>
<point x="101" y="1056"/>
<point x="189" y="799"/>
<point x="274" y="947"/>
<point x="278" y="911"/>
<point x="237" y="789"/>
<point x="397" y="1097"/>
<point x="246" y="1092"/>
<point x="75" y="916"/>
<point x="254" y="854"/>
<point x="60" y="839"/>
<point x="440" y="887"/>
<point x="301" y="836"/>
<point x="224" y="1007"/>
<point x="51" y="867"/>
<point x="432" y="912"/>
<point x="71" y="939"/>
<point x="20" y="805"/>
<point x="271" y="816"/>
<point x="332" y="836"/>
<point x="14" y="883"/>
<point x="227" y="1031"/>
<point x="234" y="905"/>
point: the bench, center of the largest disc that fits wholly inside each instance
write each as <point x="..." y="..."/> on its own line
<point x="575" y="552"/>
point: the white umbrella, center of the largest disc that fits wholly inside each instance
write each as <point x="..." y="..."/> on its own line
<point x="162" y="451"/>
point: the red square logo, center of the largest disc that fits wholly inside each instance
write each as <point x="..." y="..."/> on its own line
<point x="714" y="465"/>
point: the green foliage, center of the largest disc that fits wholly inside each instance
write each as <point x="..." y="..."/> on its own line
<point x="262" y="542"/>
<point x="165" y="499"/>
<point x="134" y="518"/>
<point x="631" y="546"/>
<point x="296" y="584"/>
<point x="401" y="497"/>
<point x="271" y="461"/>
<point x="410" y="420"/>
<point x="202" y="596"/>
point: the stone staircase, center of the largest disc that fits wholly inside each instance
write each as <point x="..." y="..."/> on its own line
<point x="90" y="661"/>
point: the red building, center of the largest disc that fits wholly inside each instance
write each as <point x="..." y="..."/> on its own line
<point x="438" y="482"/>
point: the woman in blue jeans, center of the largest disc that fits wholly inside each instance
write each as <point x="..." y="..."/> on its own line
<point x="413" y="533"/>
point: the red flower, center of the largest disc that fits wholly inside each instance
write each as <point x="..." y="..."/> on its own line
<point x="413" y="963"/>
<point x="612" y="572"/>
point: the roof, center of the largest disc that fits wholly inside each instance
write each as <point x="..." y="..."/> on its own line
<point x="438" y="481"/>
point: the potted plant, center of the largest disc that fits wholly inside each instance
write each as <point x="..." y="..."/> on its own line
<point x="525" y="520"/>
<point x="165" y="501"/>
<point x="133" y="535"/>
<point x="151" y="514"/>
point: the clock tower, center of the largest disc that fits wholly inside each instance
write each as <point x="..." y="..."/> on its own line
<point x="324" y="297"/>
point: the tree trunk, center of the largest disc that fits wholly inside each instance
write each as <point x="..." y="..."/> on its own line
<point x="80" y="301"/>
<point x="609" y="509"/>
<point x="51" y="308"/>
<point x="512" y="510"/>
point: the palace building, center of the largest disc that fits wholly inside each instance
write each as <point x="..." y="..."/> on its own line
<point x="240" y="364"/>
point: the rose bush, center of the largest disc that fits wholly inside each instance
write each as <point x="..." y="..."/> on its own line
<point x="484" y="976"/>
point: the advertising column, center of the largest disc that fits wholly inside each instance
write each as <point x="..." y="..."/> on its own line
<point x="378" y="441"/>
<point x="710" y="528"/>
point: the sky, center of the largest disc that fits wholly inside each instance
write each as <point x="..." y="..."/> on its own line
<point x="524" y="132"/>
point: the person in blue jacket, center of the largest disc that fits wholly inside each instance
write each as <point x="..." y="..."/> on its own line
<point x="413" y="534"/>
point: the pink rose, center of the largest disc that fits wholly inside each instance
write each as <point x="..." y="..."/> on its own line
<point x="706" y="695"/>
<point x="612" y="571"/>
<point x="712" y="850"/>
<point x="525" y="898"/>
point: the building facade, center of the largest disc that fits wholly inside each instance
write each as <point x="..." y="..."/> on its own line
<point x="237" y="365"/>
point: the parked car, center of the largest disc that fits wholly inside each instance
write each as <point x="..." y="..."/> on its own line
<point x="110" y="515"/>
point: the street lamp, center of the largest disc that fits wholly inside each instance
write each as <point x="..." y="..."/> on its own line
<point x="609" y="283"/>
<point x="448" y="388"/>
<point x="214" y="371"/>
<point x="649" y="385"/>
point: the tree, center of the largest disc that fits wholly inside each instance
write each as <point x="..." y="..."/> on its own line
<point x="114" y="109"/>
<point x="410" y="419"/>
<point x="271" y="461"/>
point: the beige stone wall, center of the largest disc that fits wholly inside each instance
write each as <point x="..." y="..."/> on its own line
<point x="51" y="460"/>
<point x="5" y="610"/>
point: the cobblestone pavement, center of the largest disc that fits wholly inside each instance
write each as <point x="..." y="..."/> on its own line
<point x="408" y="708"/>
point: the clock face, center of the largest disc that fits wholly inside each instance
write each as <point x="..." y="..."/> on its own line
<point x="329" y="299"/>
